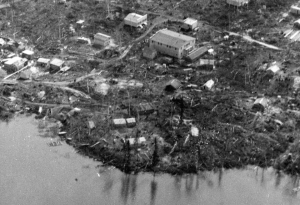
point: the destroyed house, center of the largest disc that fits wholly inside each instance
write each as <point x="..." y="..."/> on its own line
<point x="43" y="62"/>
<point x="197" y="53"/>
<point x="172" y="43"/>
<point x="101" y="39"/>
<point x="135" y="20"/>
<point x="56" y="64"/>
<point x="190" y="24"/>
<point x="27" y="54"/>
<point x="237" y="2"/>
<point x="14" y="64"/>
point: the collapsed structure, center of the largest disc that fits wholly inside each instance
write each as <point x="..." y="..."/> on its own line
<point x="171" y="43"/>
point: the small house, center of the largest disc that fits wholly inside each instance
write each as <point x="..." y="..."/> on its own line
<point x="149" y="53"/>
<point x="43" y="62"/>
<point x="119" y="123"/>
<point x="190" y="24"/>
<point x="56" y="64"/>
<point x="172" y="85"/>
<point x="135" y="20"/>
<point x="101" y="39"/>
<point x="27" y="54"/>
<point x="79" y="24"/>
<point x="295" y="10"/>
<point x="197" y="53"/>
<point x="144" y="109"/>
<point x="131" y="122"/>
<point x="91" y="124"/>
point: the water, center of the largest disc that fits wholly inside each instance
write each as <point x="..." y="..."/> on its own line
<point x="32" y="173"/>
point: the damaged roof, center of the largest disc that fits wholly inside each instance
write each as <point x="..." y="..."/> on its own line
<point x="171" y="38"/>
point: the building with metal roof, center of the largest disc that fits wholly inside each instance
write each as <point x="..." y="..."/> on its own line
<point x="135" y="20"/>
<point x="101" y="39"/>
<point x="172" y="43"/>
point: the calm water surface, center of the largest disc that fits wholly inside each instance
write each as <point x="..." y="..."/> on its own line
<point x="32" y="173"/>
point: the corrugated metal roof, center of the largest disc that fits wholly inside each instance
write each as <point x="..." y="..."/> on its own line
<point x="197" y="53"/>
<point x="171" y="38"/>
<point x="190" y="21"/>
<point x="57" y="62"/>
<point x="13" y="60"/>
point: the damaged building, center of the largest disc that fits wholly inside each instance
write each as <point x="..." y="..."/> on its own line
<point x="101" y="39"/>
<point x="172" y="43"/>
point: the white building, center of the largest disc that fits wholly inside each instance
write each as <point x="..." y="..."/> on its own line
<point x="101" y="39"/>
<point x="238" y="2"/>
<point x="172" y="43"/>
<point x="135" y="20"/>
<point x="190" y="23"/>
<point x="295" y="9"/>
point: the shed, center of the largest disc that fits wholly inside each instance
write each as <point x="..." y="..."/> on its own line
<point x="101" y="39"/>
<point x="79" y="24"/>
<point x="91" y="124"/>
<point x="172" y="85"/>
<point x="260" y="104"/>
<point x="144" y="109"/>
<point x="295" y="10"/>
<point x="141" y="140"/>
<point x="119" y="123"/>
<point x="238" y="2"/>
<point x="28" y="54"/>
<point x="209" y="84"/>
<point x="43" y="62"/>
<point x="197" y="53"/>
<point x="149" y="53"/>
<point x="190" y="23"/>
<point x="14" y="64"/>
<point x="209" y="63"/>
<point x="296" y="84"/>
<point x="135" y="20"/>
<point x="56" y="64"/>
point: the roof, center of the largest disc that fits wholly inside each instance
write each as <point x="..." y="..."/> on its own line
<point x="237" y="2"/>
<point x="295" y="7"/>
<point x="149" y="52"/>
<point x="173" y="84"/>
<point x="57" y="62"/>
<point x="101" y="36"/>
<point x="171" y="38"/>
<point x="197" y="53"/>
<point x="133" y="17"/>
<point x="28" y="52"/>
<point x="13" y="60"/>
<point x="43" y="60"/>
<point x="80" y="22"/>
<point x="190" y="21"/>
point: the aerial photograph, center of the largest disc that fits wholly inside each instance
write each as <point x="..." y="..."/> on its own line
<point x="150" y="102"/>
